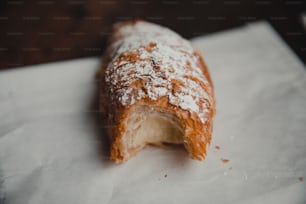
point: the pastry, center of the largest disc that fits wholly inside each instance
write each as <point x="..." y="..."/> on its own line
<point x="155" y="89"/>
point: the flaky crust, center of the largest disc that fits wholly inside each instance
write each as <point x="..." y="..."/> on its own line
<point x="182" y="87"/>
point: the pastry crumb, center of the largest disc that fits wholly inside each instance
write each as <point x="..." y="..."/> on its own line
<point x="225" y="160"/>
<point x="217" y="147"/>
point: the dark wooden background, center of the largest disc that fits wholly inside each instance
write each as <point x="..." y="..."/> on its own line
<point x="39" y="31"/>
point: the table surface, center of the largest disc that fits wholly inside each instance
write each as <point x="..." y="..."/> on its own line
<point x="40" y="31"/>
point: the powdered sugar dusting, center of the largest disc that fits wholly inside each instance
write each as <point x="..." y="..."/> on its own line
<point x="164" y="64"/>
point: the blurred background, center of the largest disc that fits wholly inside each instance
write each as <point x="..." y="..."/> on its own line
<point x="40" y="31"/>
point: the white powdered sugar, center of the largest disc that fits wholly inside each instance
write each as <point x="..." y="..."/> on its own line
<point x="165" y="65"/>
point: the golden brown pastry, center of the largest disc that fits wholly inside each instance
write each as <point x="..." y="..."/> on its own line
<point x="155" y="89"/>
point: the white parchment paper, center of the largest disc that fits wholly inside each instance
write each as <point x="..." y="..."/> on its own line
<point x="52" y="148"/>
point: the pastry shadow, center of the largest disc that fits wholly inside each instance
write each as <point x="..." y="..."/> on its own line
<point x="99" y="128"/>
<point x="177" y="154"/>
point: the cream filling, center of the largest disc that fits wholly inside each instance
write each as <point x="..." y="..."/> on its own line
<point x="147" y="126"/>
